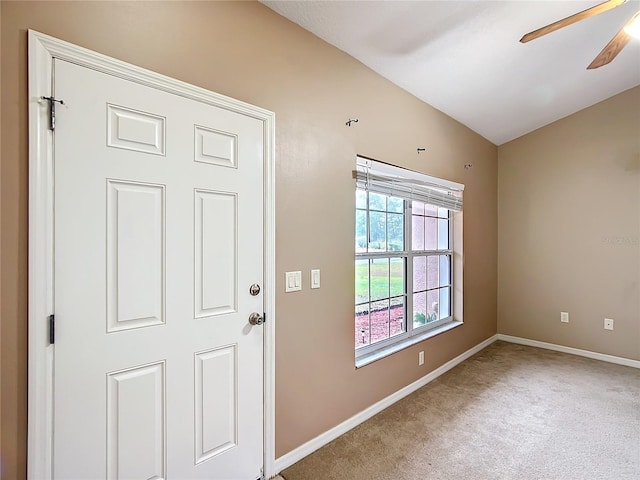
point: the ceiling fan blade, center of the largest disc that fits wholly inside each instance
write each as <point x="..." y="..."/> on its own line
<point x="589" y="12"/>
<point x="614" y="47"/>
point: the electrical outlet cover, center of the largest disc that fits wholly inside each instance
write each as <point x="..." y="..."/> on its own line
<point x="293" y="281"/>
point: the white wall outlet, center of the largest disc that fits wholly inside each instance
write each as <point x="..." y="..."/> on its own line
<point x="421" y="358"/>
<point x="315" y="278"/>
<point x="608" y="323"/>
<point x="292" y="281"/>
<point x="564" y="317"/>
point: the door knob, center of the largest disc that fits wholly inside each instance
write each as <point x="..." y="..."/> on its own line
<point x="256" y="319"/>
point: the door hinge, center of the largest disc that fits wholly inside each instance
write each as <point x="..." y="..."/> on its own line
<point x="52" y="329"/>
<point x="52" y="110"/>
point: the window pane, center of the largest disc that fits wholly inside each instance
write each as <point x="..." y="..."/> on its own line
<point x="363" y="326"/>
<point x="417" y="208"/>
<point x="396" y="316"/>
<point x="361" y="231"/>
<point x="445" y="270"/>
<point x="433" y="269"/>
<point x="377" y="201"/>
<point x="395" y="227"/>
<point x="419" y="309"/>
<point x="417" y="232"/>
<point x="395" y="204"/>
<point x="361" y="199"/>
<point x="379" y="320"/>
<point x="431" y="210"/>
<point x="419" y="274"/>
<point x="445" y="302"/>
<point x="433" y="299"/>
<point x="362" y="281"/>
<point x="379" y="278"/>
<point x="443" y="234"/>
<point x="430" y="233"/>
<point x="397" y="277"/>
<point x="443" y="212"/>
<point x="377" y="231"/>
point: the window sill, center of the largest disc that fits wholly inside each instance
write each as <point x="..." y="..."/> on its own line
<point x="396" y="347"/>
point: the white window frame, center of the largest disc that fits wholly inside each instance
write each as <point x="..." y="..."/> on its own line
<point x="398" y="182"/>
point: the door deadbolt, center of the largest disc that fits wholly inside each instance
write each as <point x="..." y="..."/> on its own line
<point x="256" y="319"/>
<point x="254" y="289"/>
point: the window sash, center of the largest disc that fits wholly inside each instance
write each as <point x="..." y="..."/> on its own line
<point x="410" y="329"/>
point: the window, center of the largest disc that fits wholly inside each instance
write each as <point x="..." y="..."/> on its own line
<point x="404" y="257"/>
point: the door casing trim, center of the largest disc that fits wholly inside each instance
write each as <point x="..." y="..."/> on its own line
<point x="42" y="50"/>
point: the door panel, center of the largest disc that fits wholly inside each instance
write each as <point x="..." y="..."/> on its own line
<point x="135" y="255"/>
<point x="158" y="236"/>
<point x="215" y="255"/>
<point x="138" y="131"/>
<point x="136" y="423"/>
<point x="216" y="405"/>
<point x="216" y="148"/>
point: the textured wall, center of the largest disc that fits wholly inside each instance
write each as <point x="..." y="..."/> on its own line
<point x="569" y="230"/>
<point x="246" y="51"/>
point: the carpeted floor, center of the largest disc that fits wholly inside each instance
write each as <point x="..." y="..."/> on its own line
<point x="508" y="412"/>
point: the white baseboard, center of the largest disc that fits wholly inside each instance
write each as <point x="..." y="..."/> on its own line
<point x="574" y="351"/>
<point x="321" y="440"/>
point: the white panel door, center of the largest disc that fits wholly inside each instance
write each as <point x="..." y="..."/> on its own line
<point x="158" y="237"/>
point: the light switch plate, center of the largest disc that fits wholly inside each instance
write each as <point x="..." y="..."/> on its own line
<point x="315" y="278"/>
<point x="292" y="281"/>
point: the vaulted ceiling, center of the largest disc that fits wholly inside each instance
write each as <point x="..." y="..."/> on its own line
<point x="465" y="59"/>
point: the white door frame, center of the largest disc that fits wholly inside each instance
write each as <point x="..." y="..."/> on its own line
<point x="42" y="50"/>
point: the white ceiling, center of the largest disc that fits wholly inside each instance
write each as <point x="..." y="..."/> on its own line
<point x="465" y="59"/>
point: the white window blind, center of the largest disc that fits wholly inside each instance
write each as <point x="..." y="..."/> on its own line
<point x="399" y="182"/>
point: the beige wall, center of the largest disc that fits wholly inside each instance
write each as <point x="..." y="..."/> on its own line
<point x="569" y="230"/>
<point x="246" y="51"/>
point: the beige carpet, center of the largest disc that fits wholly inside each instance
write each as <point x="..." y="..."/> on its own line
<point x="509" y="412"/>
